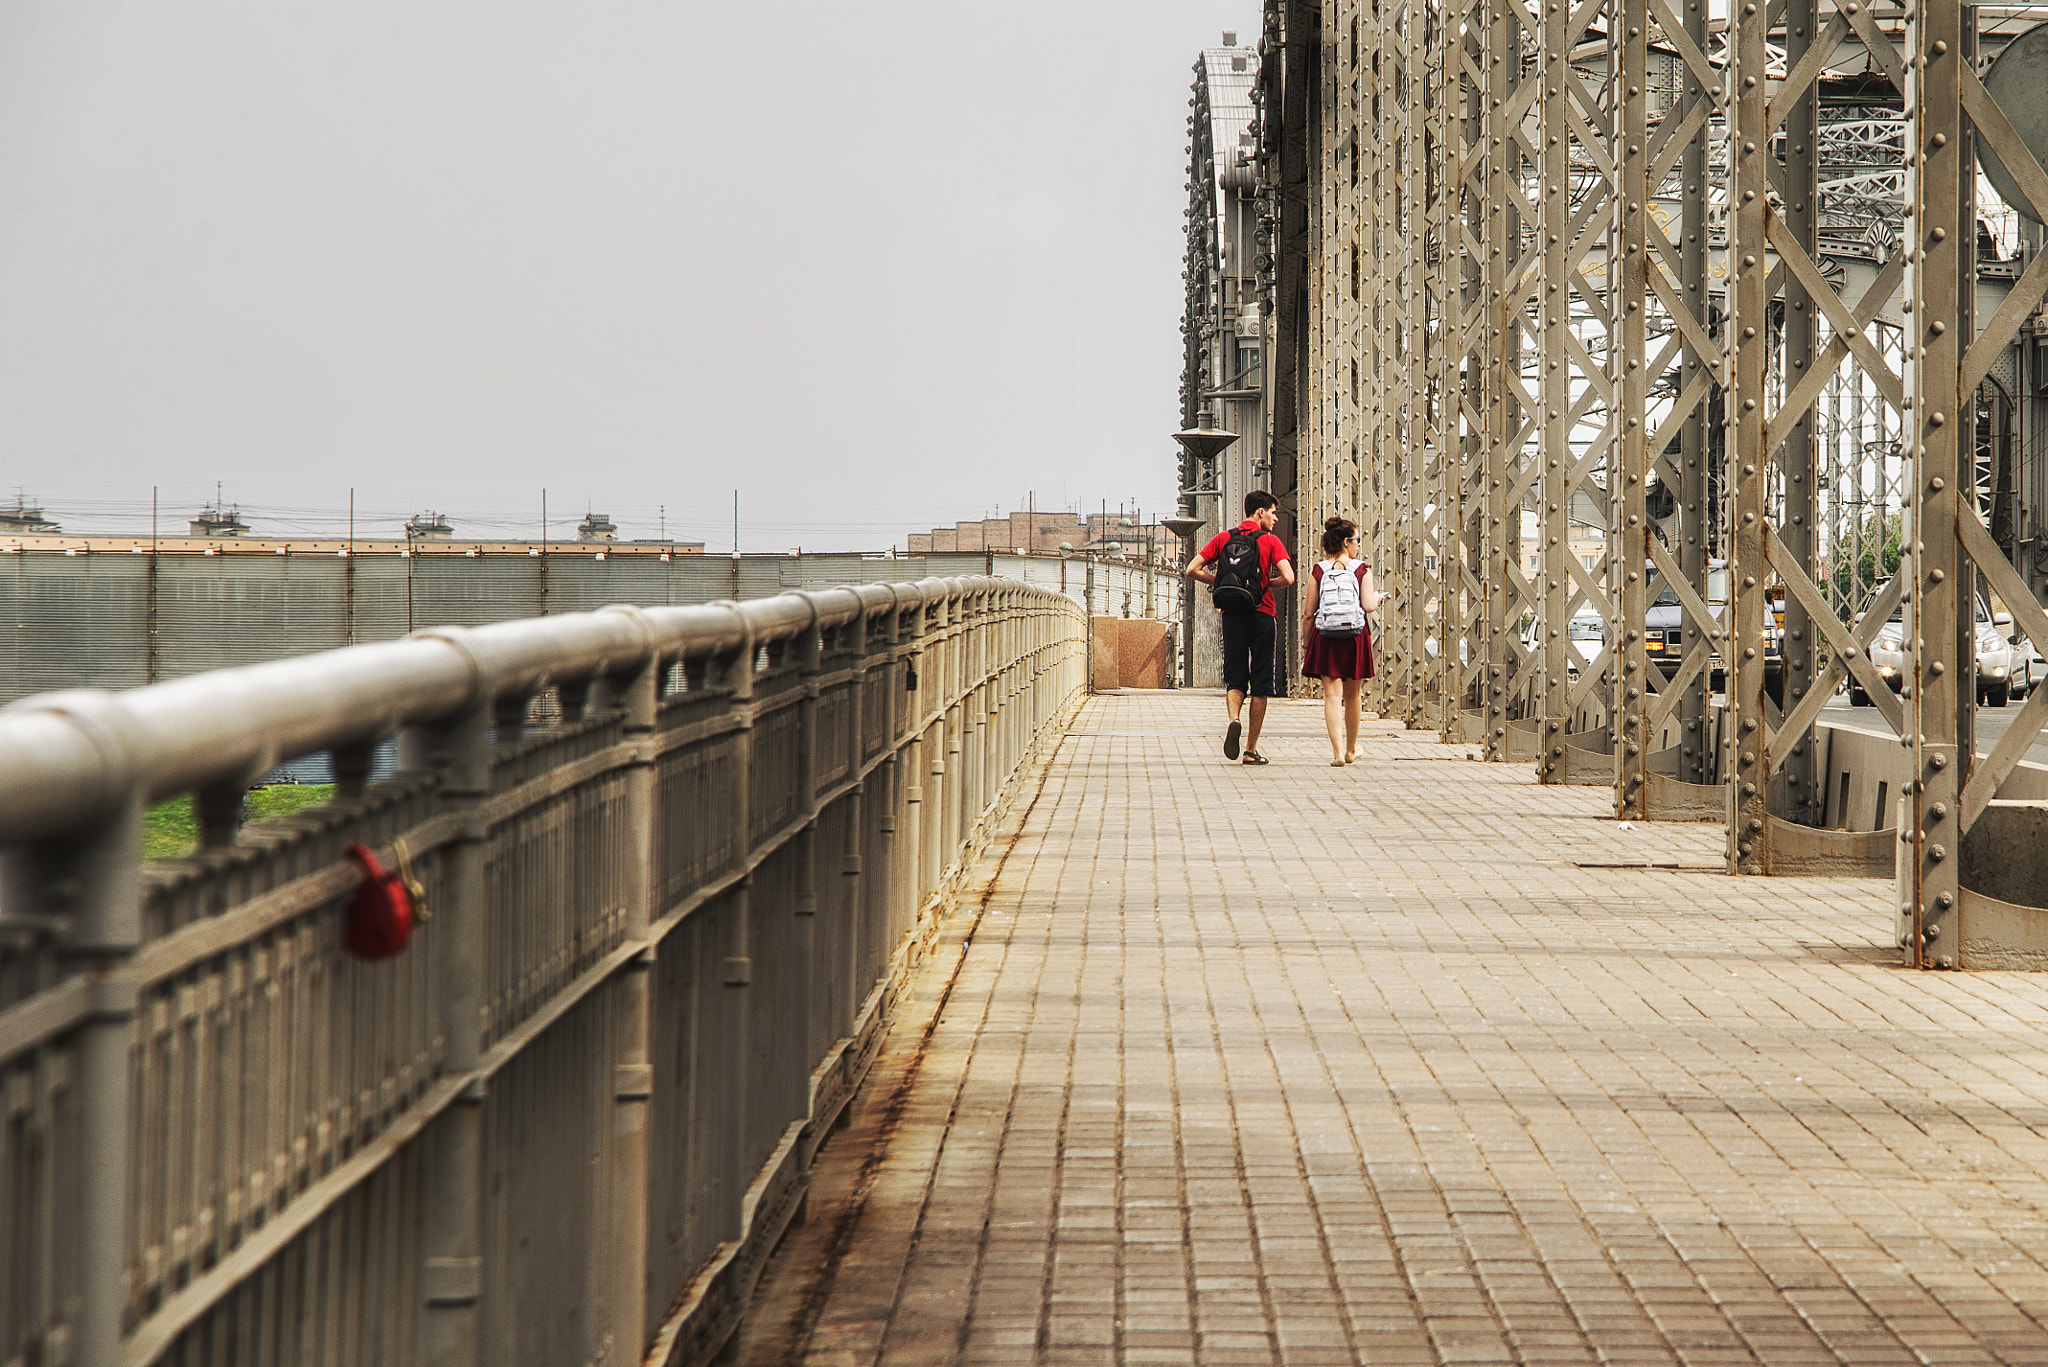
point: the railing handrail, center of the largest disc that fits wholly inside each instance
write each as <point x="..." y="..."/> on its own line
<point x="67" y="758"/>
<point x="662" y="926"/>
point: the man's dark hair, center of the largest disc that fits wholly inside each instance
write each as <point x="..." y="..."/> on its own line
<point x="1257" y="499"/>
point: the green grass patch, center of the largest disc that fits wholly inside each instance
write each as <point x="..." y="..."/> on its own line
<point x="171" y="829"/>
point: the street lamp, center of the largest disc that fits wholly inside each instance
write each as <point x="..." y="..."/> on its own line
<point x="1185" y="528"/>
<point x="1201" y="443"/>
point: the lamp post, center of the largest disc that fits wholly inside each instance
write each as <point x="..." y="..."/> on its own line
<point x="1200" y="445"/>
<point x="1185" y="528"/>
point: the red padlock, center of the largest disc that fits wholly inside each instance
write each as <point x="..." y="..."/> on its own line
<point x="380" y="919"/>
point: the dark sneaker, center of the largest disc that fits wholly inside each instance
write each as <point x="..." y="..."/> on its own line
<point x="1230" y="740"/>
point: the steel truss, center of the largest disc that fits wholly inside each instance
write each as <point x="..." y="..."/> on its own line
<point x="1608" y="261"/>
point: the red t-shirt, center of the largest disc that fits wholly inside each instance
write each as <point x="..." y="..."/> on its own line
<point x="1271" y="553"/>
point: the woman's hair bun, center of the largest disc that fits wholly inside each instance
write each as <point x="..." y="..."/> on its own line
<point x="1333" y="523"/>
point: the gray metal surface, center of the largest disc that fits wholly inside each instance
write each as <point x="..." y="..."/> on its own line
<point x="568" y="1121"/>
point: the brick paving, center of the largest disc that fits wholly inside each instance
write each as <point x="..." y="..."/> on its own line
<point x="1360" y="1066"/>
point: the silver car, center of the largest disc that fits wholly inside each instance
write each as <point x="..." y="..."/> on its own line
<point x="1995" y="659"/>
<point x="2028" y="668"/>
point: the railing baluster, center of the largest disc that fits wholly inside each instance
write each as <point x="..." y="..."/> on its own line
<point x="451" y="1281"/>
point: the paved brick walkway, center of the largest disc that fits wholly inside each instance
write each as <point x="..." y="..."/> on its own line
<point x="1360" y="1065"/>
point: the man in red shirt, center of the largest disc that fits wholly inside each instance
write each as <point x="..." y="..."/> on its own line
<point x="1249" y="627"/>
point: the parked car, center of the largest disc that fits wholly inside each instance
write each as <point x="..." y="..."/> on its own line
<point x="1587" y="632"/>
<point x="1994" y="657"/>
<point x="1664" y="630"/>
<point x="2028" y="668"/>
<point x="1994" y="677"/>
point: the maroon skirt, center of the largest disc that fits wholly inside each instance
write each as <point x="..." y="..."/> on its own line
<point x="1348" y="659"/>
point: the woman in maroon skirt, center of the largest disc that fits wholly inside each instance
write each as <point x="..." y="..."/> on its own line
<point x="1339" y="643"/>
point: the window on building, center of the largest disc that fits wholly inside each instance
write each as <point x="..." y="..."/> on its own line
<point x="1589" y="561"/>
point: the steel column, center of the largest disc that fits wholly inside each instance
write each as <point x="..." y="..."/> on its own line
<point x="1799" y="475"/>
<point x="1505" y="589"/>
<point x="1747" y="626"/>
<point x="1633" y="732"/>
<point x="1940" y="643"/>
<point x="1698" y="515"/>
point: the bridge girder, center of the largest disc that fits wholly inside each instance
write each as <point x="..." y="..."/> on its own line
<point x="1580" y="335"/>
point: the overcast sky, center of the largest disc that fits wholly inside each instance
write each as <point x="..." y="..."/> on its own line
<point x="876" y="266"/>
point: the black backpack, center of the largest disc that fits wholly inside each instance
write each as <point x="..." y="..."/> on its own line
<point x="1240" y="582"/>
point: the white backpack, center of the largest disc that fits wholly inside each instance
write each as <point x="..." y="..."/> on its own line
<point x="1339" y="613"/>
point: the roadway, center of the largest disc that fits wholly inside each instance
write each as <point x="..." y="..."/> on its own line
<point x="1991" y="724"/>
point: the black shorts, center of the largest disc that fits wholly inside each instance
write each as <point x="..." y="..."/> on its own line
<point x="1248" y="654"/>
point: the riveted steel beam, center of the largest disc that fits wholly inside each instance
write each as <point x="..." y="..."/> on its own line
<point x="1633" y="740"/>
<point x="1409" y="267"/>
<point x="1940" y="642"/>
<point x="1748" y="622"/>
<point x="1505" y="588"/>
<point x="1792" y="428"/>
<point x="1462" y="339"/>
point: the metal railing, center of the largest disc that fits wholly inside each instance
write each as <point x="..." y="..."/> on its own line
<point x="569" y="1120"/>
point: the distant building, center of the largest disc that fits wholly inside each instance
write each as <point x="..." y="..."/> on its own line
<point x="1044" y="533"/>
<point x="26" y="519"/>
<point x="1222" y="326"/>
<point x="216" y="521"/>
<point x="429" y="526"/>
<point x="597" y="527"/>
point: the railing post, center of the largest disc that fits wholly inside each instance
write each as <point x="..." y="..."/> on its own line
<point x="352" y="765"/>
<point x="931" y="775"/>
<point x="218" y="814"/>
<point x="852" y="642"/>
<point x="633" y="1064"/>
<point x="951" y="766"/>
<point x="88" y="885"/>
<point x="974" y="712"/>
<point x="888" y="805"/>
<point x="451" y="1280"/>
<point x="810" y="651"/>
<point x="733" y="672"/>
<point x="1013" y="676"/>
<point x="920" y="675"/>
<point x="995" y="671"/>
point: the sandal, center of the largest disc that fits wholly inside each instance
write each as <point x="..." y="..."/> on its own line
<point x="1254" y="757"/>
